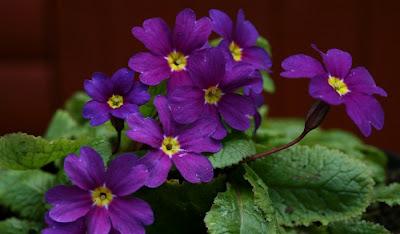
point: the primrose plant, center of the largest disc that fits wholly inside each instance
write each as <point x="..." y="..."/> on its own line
<point x="186" y="146"/>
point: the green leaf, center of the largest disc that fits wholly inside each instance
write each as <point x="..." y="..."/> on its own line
<point x="263" y="43"/>
<point x="16" y="226"/>
<point x="62" y="125"/>
<point x="148" y="109"/>
<point x="268" y="83"/>
<point x="20" y="151"/>
<point x="180" y="208"/>
<point x="235" y="149"/>
<point x="215" y="42"/>
<point x="308" y="184"/>
<point x="389" y="194"/>
<point x="23" y="192"/>
<point x="235" y="211"/>
<point x="262" y="199"/>
<point x="74" y="106"/>
<point x="356" y="227"/>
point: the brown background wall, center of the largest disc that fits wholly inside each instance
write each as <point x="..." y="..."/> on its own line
<point x="48" y="47"/>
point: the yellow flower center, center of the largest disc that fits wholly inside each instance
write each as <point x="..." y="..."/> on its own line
<point x="115" y="101"/>
<point x="212" y="95"/>
<point x="177" y="61"/>
<point x="236" y="51"/>
<point x="338" y="85"/>
<point x="102" y="196"/>
<point x="170" y="145"/>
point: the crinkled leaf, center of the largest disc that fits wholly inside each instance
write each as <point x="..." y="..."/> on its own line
<point x="23" y="192"/>
<point x="180" y="208"/>
<point x="389" y="194"/>
<point x="62" y="125"/>
<point x="20" y="151"/>
<point x="356" y="227"/>
<point x="16" y="226"/>
<point x="308" y="184"/>
<point x="235" y="211"/>
<point x="235" y="149"/>
<point x="74" y="106"/>
<point x="262" y="199"/>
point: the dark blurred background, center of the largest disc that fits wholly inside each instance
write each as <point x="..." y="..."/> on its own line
<point x="48" y="47"/>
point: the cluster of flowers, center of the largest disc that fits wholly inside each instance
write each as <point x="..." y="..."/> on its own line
<point x="208" y="89"/>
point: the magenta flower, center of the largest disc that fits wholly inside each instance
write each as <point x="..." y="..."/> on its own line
<point x="170" y="52"/>
<point x="173" y="143"/>
<point x="240" y="39"/>
<point x="102" y="198"/>
<point x="116" y="97"/>
<point x="336" y="83"/>
<point x="213" y="93"/>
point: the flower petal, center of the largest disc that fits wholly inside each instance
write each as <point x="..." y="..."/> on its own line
<point x="159" y="165"/>
<point x="98" y="221"/>
<point x="222" y="23"/>
<point x="258" y="57"/>
<point x="194" y="168"/>
<point x="238" y="76"/>
<point x="122" y="81"/>
<point x="300" y="66"/>
<point x="138" y="94"/>
<point x="125" y="175"/>
<point x="196" y="137"/>
<point x="178" y="79"/>
<point x="186" y="103"/>
<point x="97" y="112"/>
<point x="190" y="34"/>
<point x="99" y="87"/>
<point x="337" y="62"/>
<point x="125" y="110"/>
<point x="207" y="68"/>
<point x="235" y="110"/>
<point x="144" y="130"/>
<point x="365" y="111"/>
<point x="220" y="131"/>
<point x="130" y="215"/>
<point x="360" y="80"/>
<point x="86" y="171"/>
<point x="246" y="34"/>
<point x="153" y="69"/>
<point x="155" y="35"/>
<point x="320" y="89"/>
<point x="76" y="227"/>
<point x="164" y="114"/>
<point x="69" y="203"/>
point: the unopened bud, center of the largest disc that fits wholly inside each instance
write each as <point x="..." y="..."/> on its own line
<point x="316" y="115"/>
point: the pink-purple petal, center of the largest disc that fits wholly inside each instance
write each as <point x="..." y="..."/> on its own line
<point x="245" y="33"/>
<point x="97" y="112"/>
<point x="144" y="130"/>
<point x="155" y="35"/>
<point x="158" y="165"/>
<point x="190" y="34"/>
<point x="236" y="110"/>
<point x="99" y="87"/>
<point x="320" y="89"/>
<point x="360" y="80"/>
<point x="337" y="62"/>
<point x="86" y="171"/>
<point x="195" y="168"/>
<point x="238" y="76"/>
<point x="69" y="203"/>
<point x="220" y="131"/>
<point x="186" y="103"/>
<point x="365" y="111"/>
<point x="98" y="221"/>
<point x="122" y="81"/>
<point x="301" y="66"/>
<point x="178" y="79"/>
<point x="125" y="110"/>
<point x="222" y="23"/>
<point x="125" y="175"/>
<point x="258" y="57"/>
<point x="164" y="114"/>
<point x="138" y="95"/>
<point x="152" y="68"/>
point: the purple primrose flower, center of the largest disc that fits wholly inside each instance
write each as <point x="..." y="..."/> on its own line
<point x="335" y="83"/>
<point x="99" y="197"/>
<point x="76" y="227"/>
<point x="173" y="143"/>
<point x="240" y="39"/>
<point x="170" y="52"/>
<point x="116" y="97"/>
<point x="213" y="93"/>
